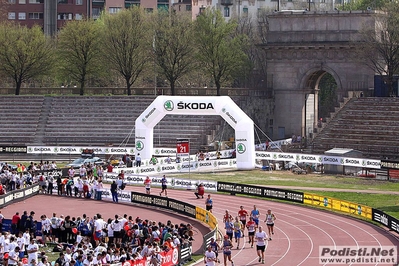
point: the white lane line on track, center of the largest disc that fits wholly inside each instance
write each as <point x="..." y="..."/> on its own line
<point x="308" y="211"/>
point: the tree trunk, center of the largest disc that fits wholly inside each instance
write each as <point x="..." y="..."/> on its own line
<point x="18" y="87"/>
<point x="217" y="83"/>
<point x="389" y="82"/>
<point x="82" y="88"/>
<point x="128" y="86"/>
<point x="172" y="87"/>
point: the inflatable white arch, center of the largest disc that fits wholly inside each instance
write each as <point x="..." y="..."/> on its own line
<point x="198" y="105"/>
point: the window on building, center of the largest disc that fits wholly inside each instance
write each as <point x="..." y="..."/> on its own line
<point x="11" y="15"/>
<point x="35" y="15"/>
<point x="245" y="11"/>
<point x="64" y="16"/>
<point x="21" y="15"/>
<point x="226" y="12"/>
<point x="11" y="1"/>
<point x="188" y="7"/>
<point x="36" y="1"/>
<point x="79" y="2"/>
<point x="164" y="7"/>
<point x="22" y="1"/>
<point x="114" y="10"/>
<point x="62" y="1"/>
<point x="78" y="16"/>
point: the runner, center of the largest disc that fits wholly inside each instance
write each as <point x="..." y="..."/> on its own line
<point x="147" y="184"/>
<point x="261" y="238"/>
<point x="227" y="246"/>
<point x="209" y="203"/>
<point x="270" y="218"/>
<point x="164" y="183"/>
<point x="229" y="226"/>
<point x="215" y="248"/>
<point x="238" y="227"/>
<point x="210" y="258"/>
<point x="255" y="214"/>
<point x="251" y="225"/>
<point x="243" y="214"/>
<point x="227" y="217"/>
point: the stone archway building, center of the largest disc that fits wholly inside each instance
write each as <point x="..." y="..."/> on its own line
<point x="303" y="46"/>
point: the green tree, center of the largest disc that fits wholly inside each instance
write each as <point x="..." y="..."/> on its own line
<point x="79" y="50"/>
<point x="4" y="4"/>
<point x="126" y="43"/>
<point x="24" y="53"/>
<point x="363" y="4"/>
<point x="173" y="45"/>
<point x="220" y="48"/>
<point x="379" y="46"/>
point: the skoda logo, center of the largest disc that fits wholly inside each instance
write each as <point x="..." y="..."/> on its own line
<point x="168" y="105"/>
<point x="139" y="145"/>
<point x="143" y="120"/>
<point x="241" y="148"/>
<point x="224" y="110"/>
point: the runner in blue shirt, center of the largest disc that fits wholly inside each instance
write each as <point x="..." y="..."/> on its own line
<point x="164" y="183"/>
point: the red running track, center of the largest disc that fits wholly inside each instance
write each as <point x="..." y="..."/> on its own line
<point x="299" y="230"/>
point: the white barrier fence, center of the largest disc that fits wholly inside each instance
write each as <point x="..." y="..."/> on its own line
<point x="318" y="159"/>
<point x="191" y="163"/>
<point x="178" y="183"/>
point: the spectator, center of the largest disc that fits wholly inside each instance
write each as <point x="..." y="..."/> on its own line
<point x="200" y="191"/>
<point x="114" y="191"/>
<point x="138" y="160"/>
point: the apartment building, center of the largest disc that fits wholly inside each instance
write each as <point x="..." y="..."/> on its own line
<point x="52" y="14"/>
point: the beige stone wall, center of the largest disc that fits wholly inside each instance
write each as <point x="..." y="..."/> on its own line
<point x="303" y="46"/>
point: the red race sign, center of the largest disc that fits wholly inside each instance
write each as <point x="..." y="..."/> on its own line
<point x="183" y="147"/>
<point x="169" y="258"/>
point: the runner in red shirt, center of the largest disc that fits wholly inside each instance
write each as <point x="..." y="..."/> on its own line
<point x="251" y="225"/>
<point x="243" y="217"/>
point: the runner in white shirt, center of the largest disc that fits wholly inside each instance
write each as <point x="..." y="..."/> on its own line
<point x="71" y="172"/>
<point x="98" y="227"/>
<point x="82" y="171"/>
<point x="261" y="238"/>
<point x="32" y="250"/>
<point x="210" y="257"/>
<point x="13" y="256"/>
<point x="21" y="244"/>
<point x="26" y="236"/>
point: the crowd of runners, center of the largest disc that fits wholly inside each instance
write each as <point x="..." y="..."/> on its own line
<point x="95" y="241"/>
<point x="89" y="240"/>
<point x="235" y="227"/>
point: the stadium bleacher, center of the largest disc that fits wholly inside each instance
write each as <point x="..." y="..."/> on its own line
<point x="92" y="120"/>
<point x="366" y="124"/>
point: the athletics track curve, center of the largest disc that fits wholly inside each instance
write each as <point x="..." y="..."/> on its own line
<point x="299" y="230"/>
